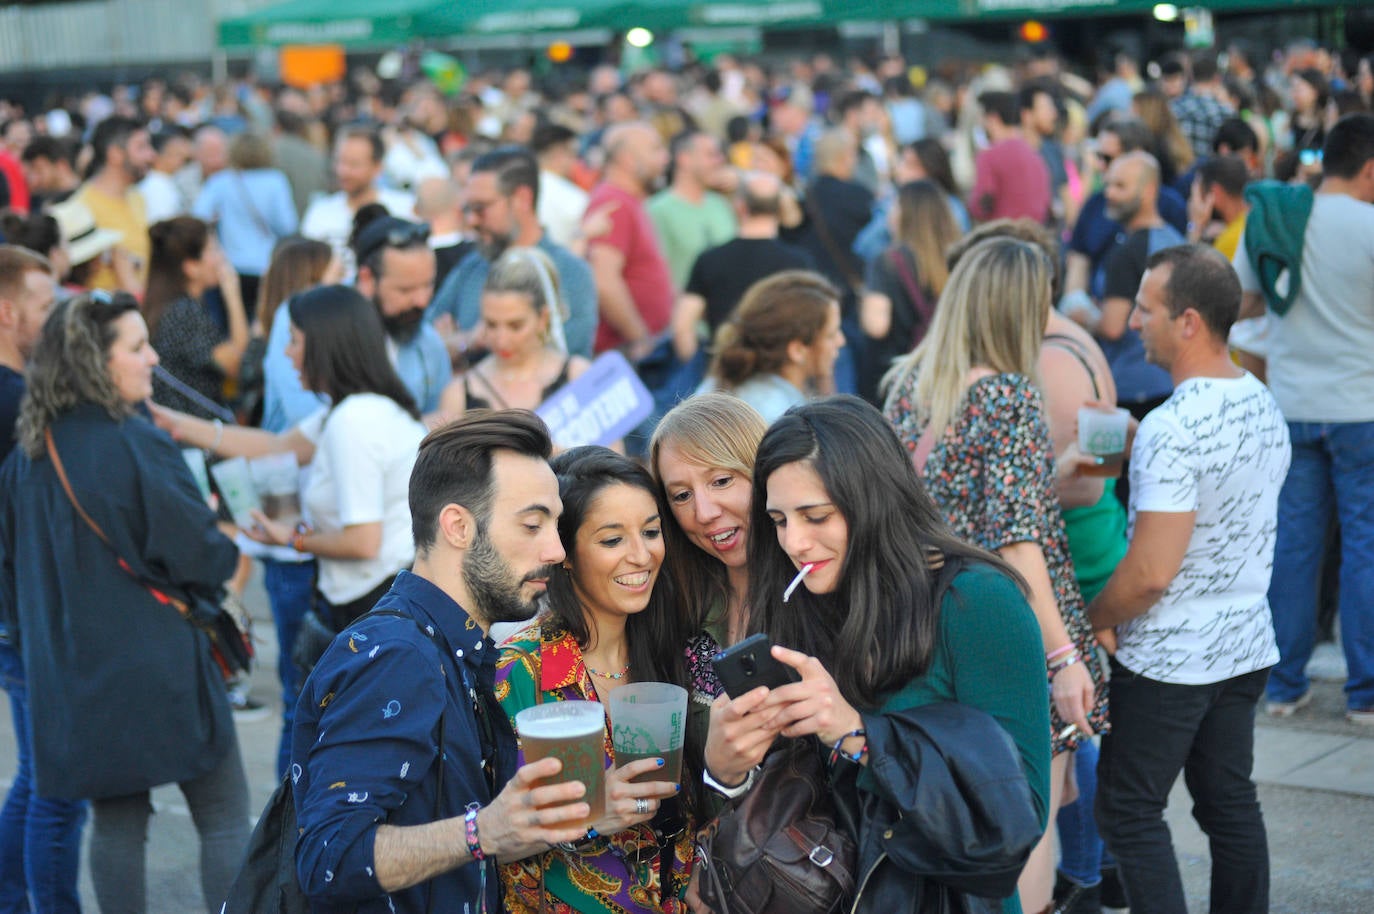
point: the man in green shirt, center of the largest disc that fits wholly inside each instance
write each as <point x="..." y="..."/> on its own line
<point x="688" y="215"/>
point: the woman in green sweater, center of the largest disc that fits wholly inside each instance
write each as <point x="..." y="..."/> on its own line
<point x="895" y="611"/>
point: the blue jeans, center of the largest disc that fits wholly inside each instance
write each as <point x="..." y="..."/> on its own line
<point x="1332" y="470"/>
<point x="1208" y="733"/>
<point x="1081" y="853"/>
<point x="290" y="586"/>
<point x="40" y="838"/>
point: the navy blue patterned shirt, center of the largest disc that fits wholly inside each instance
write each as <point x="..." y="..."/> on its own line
<point x="363" y="750"/>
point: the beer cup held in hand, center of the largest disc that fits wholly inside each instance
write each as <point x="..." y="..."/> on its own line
<point x="574" y="733"/>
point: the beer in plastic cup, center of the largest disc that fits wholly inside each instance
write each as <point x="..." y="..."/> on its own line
<point x="574" y="733"/>
<point x="649" y="720"/>
<point x="1102" y="433"/>
<point x="278" y="480"/>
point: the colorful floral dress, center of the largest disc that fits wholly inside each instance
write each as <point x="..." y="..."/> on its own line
<point x="993" y="475"/>
<point x="620" y="873"/>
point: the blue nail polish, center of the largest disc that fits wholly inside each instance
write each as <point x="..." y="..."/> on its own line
<point x="677" y="787"/>
<point x="660" y="762"/>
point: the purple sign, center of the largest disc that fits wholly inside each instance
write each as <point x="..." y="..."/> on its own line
<point x="605" y="403"/>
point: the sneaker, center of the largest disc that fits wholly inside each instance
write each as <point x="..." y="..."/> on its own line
<point x="1080" y="899"/>
<point x="1363" y="716"/>
<point x="247" y="709"/>
<point x="1289" y="708"/>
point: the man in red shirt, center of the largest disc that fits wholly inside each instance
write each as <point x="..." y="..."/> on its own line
<point x="633" y="285"/>
<point x="1011" y="181"/>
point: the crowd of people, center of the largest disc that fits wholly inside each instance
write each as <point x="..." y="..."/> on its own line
<point x="872" y="305"/>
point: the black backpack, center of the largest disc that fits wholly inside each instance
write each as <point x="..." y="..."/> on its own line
<point x="267" y="881"/>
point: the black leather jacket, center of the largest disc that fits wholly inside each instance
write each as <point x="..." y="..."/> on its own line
<point x="945" y="818"/>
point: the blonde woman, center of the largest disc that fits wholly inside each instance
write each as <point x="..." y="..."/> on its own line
<point x="905" y="281"/>
<point x="522" y="326"/>
<point x="967" y="406"/>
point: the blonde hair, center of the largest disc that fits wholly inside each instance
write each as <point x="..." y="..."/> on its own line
<point x="529" y="271"/>
<point x="713" y="430"/>
<point x="992" y="313"/>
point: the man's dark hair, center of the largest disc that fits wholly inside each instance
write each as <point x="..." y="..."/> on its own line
<point x="1200" y="278"/>
<point x="850" y="101"/>
<point x="548" y="135"/>
<point x="454" y="465"/>
<point x="369" y="135"/>
<point x="1172" y="65"/>
<point x="1236" y="136"/>
<point x="1204" y="66"/>
<point x="681" y="142"/>
<point x="1025" y="97"/>
<point x="1001" y="105"/>
<point x="1131" y="131"/>
<point x="168" y="133"/>
<point x="376" y="231"/>
<point x="514" y="167"/>
<point x="711" y="81"/>
<point x="1227" y="172"/>
<point x="54" y="149"/>
<point x="113" y="131"/>
<point x="1349" y="145"/>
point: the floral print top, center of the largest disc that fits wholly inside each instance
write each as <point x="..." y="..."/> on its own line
<point x="618" y="874"/>
<point x="992" y="473"/>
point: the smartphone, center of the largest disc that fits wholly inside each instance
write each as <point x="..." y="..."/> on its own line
<point x="751" y="664"/>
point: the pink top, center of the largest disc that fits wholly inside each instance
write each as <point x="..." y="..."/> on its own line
<point x="1012" y="183"/>
<point x="645" y="272"/>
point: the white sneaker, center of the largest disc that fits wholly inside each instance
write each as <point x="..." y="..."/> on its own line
<point x="1289" y="708"/>
<point x="1363" y="716"/>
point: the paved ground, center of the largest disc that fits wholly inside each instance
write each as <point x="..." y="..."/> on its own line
<point x="1316" y="776"/>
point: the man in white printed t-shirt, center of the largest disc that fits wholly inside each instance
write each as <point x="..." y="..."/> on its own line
<point x="1189" y="602"/>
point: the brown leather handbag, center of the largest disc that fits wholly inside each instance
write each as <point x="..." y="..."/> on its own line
<point x="781" y="848"/>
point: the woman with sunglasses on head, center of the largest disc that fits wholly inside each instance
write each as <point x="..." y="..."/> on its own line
<point x="966" y="405"/>
<point x="896" y="614"/>
<point x="522" y="327"/>
<point x="124" y="692"/>
<point x="610" y="621"/>
<point x="360" y="449"/>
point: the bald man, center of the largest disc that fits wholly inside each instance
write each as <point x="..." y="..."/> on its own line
<point x="634" y="287"/>
<point x="437" y="204"/>
<point x="1132" y="194"/>
<point x="720" y="275"/>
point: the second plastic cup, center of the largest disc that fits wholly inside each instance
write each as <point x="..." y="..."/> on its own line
<point x="1102" y="433"/>
<point x="649" y="720"/>
<point x="278" y="478"/>
<point x="574" y="733"/>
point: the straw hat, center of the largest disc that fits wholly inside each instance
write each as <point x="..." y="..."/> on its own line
<point x="85" y="240"/>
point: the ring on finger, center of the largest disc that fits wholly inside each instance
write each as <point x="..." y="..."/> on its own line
<point x="641" y="806"/>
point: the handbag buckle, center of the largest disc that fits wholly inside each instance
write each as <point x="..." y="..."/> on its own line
<point x="821" y="856"/>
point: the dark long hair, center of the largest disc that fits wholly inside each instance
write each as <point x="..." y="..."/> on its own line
<point x="345" y="348"/>
<point x="877" y="631"/>
<point x="172" y="242"/>
<point x="656" y="637"/>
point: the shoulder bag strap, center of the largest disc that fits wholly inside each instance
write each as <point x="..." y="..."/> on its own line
<point x="161" y="597"/>
<point x="907" y="276"/>
<point x="833" y="249"/>
<point x="258" y="220"/>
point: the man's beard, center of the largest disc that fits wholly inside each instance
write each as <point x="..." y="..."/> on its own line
<point x="494" y="245"/>
<point x="404" y="326"/>
<point x="494" y="587"/>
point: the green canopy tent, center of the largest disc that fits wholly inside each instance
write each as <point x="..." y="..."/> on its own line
<point x="352" y="23"/>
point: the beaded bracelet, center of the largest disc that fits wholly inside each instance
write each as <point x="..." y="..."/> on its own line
<point x="1070" y="661"/>
<point x="836" y="753"/>
<point x="470" y="831"/>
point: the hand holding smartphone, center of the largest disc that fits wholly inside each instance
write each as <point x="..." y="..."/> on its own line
<point x="751" y="664"/>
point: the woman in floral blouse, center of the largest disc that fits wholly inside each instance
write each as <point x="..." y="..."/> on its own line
<point x="609" y="622"/>
<point x="967" y="406"/>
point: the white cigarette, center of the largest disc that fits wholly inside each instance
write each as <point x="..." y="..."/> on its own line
<point x="796" y="582"/>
